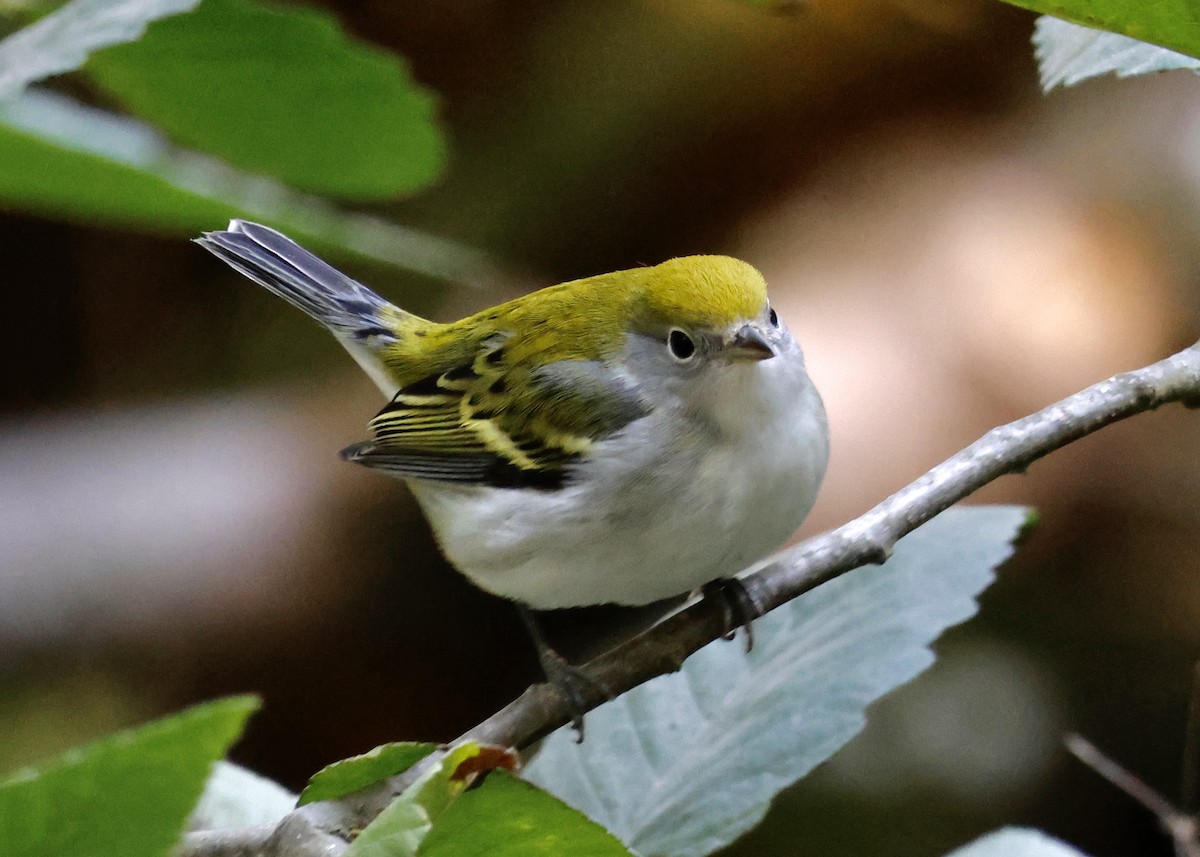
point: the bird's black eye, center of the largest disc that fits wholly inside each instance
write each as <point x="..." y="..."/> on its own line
<point x="681" y="346"/>
<point x="774" y="317"/>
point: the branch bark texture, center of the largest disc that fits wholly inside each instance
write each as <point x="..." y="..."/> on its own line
<point x="323" y="828"/>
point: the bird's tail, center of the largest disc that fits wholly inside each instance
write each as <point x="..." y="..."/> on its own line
<point x="347" y="307"/>
<point x="365" y="324"/>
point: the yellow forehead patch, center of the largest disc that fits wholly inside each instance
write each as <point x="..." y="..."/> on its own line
<point x="703" y="292"/>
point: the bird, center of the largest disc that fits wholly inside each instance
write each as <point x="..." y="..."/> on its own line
<point x="618" y="439"/>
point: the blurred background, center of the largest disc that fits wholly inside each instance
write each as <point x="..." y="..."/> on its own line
<point x="953" y="248"/>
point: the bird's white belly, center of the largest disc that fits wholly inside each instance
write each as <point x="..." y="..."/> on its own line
<point x="638" y="525"/>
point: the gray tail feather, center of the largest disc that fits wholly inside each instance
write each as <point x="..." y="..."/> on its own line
<point x="286" y="269"/>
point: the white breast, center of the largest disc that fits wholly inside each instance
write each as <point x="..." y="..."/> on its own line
<point x="644" y="519"/>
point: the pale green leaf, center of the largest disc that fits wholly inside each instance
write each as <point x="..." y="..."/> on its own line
<point x="237" y="797"/>
<point x="1172" y="24"/>
<point x="688" y="762"/>
<point x="62" y="40"/>
<point x="1069" y="53"/>
<point x="1016" y="842"/>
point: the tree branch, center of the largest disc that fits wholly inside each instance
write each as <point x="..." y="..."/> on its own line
<point x="315" y="829"/>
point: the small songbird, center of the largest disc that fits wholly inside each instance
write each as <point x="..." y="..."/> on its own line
<point x="617" y="439"/>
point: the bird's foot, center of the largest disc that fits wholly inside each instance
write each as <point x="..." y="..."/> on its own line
<point x="737" y="607"/>
<point x="573" y="683"/>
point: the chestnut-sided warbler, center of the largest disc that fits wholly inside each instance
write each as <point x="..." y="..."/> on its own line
<point x="617" y="439"/>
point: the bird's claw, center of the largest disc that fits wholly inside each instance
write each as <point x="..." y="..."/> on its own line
<point x="738" y="609"/>
<point x="574" y="685"/>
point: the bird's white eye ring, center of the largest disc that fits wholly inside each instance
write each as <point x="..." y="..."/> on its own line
<point x="773" y="316"/>
<point x="680" y="345"/>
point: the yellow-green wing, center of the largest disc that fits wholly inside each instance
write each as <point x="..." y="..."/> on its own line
<point x="491" y="423"/>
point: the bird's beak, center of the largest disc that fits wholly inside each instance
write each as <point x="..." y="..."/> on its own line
<point x="748" y="343"/>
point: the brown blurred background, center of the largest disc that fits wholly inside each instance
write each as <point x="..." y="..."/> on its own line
<point x="953" y="248"/>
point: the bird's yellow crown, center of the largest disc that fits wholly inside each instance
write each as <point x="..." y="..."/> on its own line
<point x="702" y="292"/>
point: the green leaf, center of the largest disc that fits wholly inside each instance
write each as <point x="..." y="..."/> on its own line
<point x="127" y="795"/>
<point x="62" y="159"/>
<point x="358" y="772"/>
<point x="505" y="817"/>
<point x="1016" y="842"/>
<point x="1171" y="24"/>
<point x="688" y="762"/>
<point x="399" y="829"/>
<point x="284" y="92"/>
<point x="62" y="40"/>
<point x="1068" y="53"/>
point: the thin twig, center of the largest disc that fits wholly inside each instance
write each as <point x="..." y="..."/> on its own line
<point x="1180" y="826"/>
<point x="1190" y="776"/>
<point x="1088" y="753"/>
<point x="867" y="539"/>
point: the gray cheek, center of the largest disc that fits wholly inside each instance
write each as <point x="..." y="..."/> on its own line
<point x="660" y="377"/>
